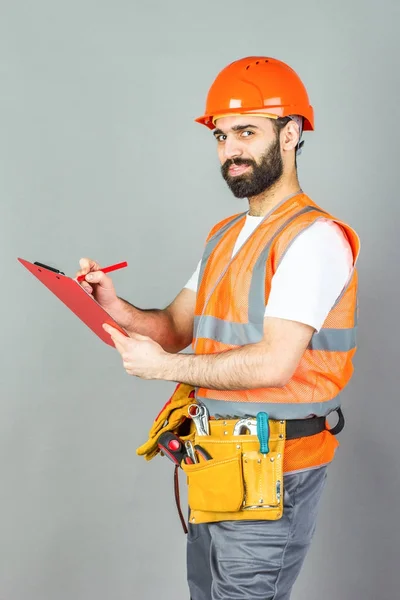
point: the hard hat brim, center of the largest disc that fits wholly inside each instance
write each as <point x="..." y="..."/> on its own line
<point x="278" y="111"/>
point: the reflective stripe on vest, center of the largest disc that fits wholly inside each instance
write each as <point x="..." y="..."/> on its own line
<point x="275" y="411"/>
<point x="334" y="340"/>
<point x="239" y="334"/>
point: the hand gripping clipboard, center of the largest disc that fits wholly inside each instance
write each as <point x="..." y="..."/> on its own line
<point x="73" y="295"/>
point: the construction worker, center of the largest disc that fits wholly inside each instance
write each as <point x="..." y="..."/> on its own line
<point x="271" y="313"/>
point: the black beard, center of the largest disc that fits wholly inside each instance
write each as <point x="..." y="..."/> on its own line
<point x="262" y="177"/>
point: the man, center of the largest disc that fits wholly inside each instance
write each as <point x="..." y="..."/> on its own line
<point x="271" y="313"/>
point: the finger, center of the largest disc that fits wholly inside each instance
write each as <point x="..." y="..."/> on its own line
<point x="80" y="273"/>
<point x="119" y="340"/>
<point x="87" y="264"/>
<point x="88" y="288"/>
<point x="100" y="278"/>
<point x="115" y="334"/>
<point x="119" y="347"/>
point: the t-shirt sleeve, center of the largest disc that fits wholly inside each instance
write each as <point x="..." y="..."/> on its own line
<point x="311" y="275"/>
<point x="193" y="282"/>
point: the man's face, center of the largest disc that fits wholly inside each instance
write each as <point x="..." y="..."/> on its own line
<point x="250" y="154"/>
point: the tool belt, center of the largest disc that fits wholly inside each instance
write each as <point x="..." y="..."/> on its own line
<point x="235" y="477"/>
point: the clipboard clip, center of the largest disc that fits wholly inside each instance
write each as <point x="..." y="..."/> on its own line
<point x="39" y="264"/>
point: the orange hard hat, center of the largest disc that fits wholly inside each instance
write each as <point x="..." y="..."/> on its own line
<point x="261" y="86"/>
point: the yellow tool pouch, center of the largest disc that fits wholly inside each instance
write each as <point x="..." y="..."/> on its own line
<point x="238" y="482"/>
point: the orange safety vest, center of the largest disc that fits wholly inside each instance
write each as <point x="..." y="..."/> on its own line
<point x="230" y="306"/>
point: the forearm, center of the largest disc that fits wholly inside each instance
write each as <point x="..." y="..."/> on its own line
<point x="154" y="323"/>
<point x="247" y="367"/>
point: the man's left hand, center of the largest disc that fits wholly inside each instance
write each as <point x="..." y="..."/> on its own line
<point x="141" y="356"/>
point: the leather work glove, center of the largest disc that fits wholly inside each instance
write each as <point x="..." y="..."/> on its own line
<point x="171" y="417"/>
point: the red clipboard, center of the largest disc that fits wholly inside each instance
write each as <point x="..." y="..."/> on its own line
<point x="73" y="295"/>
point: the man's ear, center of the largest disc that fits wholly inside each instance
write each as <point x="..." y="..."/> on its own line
<point x="290" y="136"/>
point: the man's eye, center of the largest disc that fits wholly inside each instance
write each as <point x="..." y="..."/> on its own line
<point x="247" y="132"/>
<point x="220" y="138"/>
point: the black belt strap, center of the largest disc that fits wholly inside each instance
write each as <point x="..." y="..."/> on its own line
<point x="340" y="424"/>
<point x="298" y="428"/>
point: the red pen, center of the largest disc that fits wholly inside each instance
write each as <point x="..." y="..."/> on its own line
<point x="120" y="265"/>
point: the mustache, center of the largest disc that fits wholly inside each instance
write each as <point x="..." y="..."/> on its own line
<point x="236" y="161"/>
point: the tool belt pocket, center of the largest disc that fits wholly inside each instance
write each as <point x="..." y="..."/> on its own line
<point x="216" y="485"/>
<point x="263" y="478"/>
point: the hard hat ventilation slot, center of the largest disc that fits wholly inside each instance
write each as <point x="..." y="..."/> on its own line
<point x="256" y="63"/>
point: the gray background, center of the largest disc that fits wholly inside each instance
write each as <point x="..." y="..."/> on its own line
<point x="99" y="156"/>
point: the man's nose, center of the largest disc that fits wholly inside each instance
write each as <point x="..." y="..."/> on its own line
<point x="232" y="148"/>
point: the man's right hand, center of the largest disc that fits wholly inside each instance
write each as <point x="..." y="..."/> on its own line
<point x="98" y="283"/>
<point x="171" y="327"/>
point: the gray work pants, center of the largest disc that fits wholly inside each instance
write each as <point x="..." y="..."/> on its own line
<point x="256" y="560"/>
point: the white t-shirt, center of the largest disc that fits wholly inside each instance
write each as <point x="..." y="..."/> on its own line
<point x="311" y="275"/>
